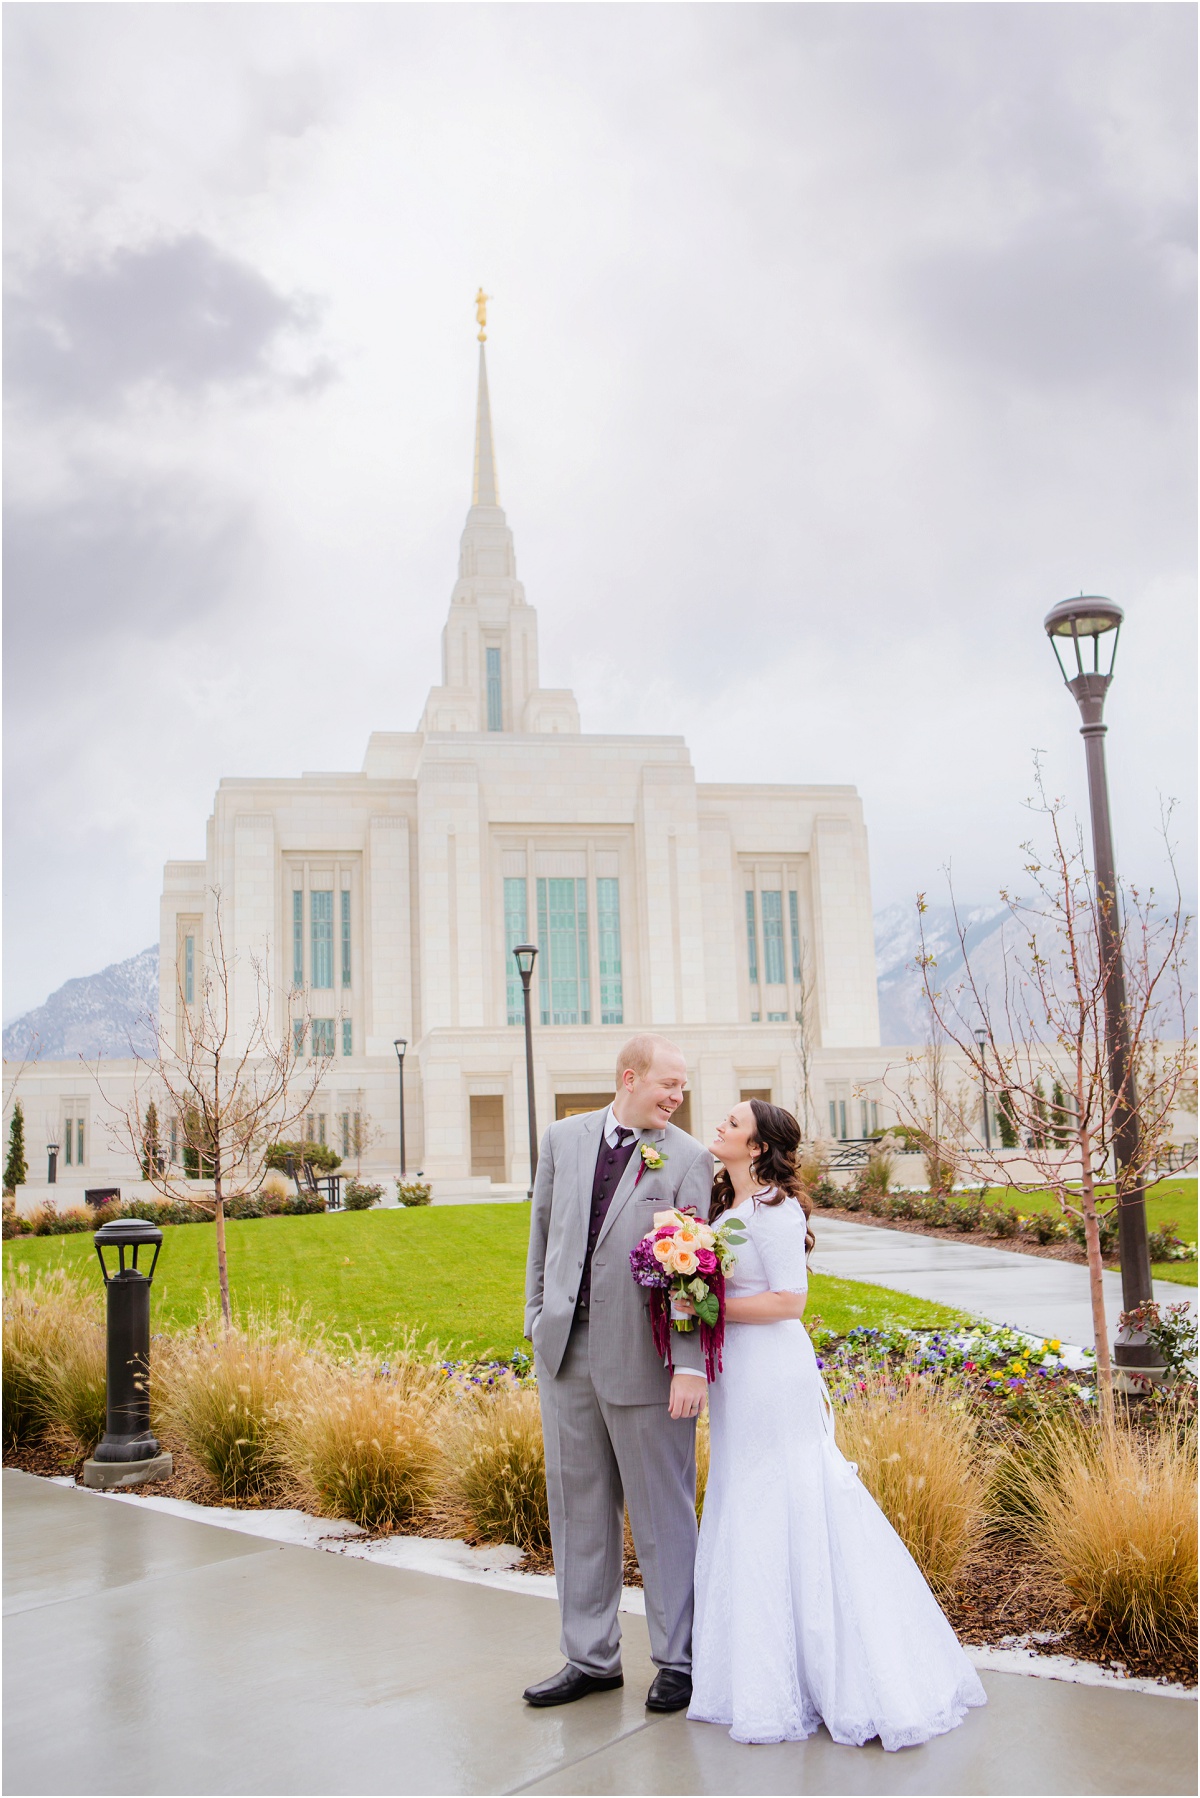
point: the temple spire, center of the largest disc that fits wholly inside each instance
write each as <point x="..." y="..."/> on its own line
<point x="485" y="491"/>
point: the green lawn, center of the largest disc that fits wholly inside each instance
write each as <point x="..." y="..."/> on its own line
<point x="1171" y="1202"/>
<point x="455" y="1273"/>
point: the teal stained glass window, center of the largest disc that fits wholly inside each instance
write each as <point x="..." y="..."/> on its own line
<point x="563" y="951"/>
<point x="608" y="942"/>
<point x="794" y="910"/>
<point x="495" y="701"/>
<point x="298" y="1036"/>
<point x="297" y="939"/>
<point x="347" y="1037"/>
<point x="189" y="969"/>
<point x="322" y="1038"/>
<point x="345" y="938"/>
<point x="322" y="938"/>
<point x="516" y="928"/>
<point x="772" y="928"/>
<point x="751" y="938"/>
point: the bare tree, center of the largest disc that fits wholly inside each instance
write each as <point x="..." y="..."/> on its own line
<point x="931" y="1107"/>
<point x="1049" y="1025"/>
<point x="804" y="1036"/>
<point x="232" y="1089"/>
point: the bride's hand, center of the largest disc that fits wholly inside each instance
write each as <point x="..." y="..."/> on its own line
<point x="683" y="1307"/>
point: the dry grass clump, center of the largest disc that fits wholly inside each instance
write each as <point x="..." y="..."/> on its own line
<point x="919" y="1457"/>
<point x="225" y="1397"/>
<point x="1113" y="1512"/>
<point x="43" y="1318"/>
<point x="496" y="1468"/>
<point x="75" y="1392"/>
<point x="362" y="1440"/>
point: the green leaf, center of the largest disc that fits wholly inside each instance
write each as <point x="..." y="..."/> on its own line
<point x="708" y="1310"/>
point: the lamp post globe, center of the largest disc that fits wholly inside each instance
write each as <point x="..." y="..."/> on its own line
<point x="400" y="1045"/>
<point x="525" y="954"/>
<point x="1083" y="634"/>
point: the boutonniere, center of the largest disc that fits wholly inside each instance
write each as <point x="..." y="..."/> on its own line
<point x="652" y="1158"/>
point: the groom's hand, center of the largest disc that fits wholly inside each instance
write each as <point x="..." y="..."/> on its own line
<point x="688" y="1393"/>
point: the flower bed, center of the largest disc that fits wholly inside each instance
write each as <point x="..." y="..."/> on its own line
<point x="74" y="1220"/>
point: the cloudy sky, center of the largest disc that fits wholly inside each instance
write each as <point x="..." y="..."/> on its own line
<point x="830" y="346"/>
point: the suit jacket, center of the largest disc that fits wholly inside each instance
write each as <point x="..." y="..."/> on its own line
<point x="624" y="1367"/>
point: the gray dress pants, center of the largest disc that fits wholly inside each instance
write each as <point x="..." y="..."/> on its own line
<point x="601" y="1458"/>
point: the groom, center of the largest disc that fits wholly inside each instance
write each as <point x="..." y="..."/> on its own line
<point x="620" y="1430"/>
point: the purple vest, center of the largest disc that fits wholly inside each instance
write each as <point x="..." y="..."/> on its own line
<point x="610" y="1165"/>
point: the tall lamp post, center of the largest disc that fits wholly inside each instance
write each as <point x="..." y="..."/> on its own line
<point x="51" y="1164"/>
<point x="525" y="955"/>
<point x="981" y="1039"/>
<point x="400" y="1045"/>
<point x="1075" y="623"/>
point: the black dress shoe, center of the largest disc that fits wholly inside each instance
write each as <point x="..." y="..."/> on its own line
<point x="671" y="1691"/>
<point x="570" y="1684"/>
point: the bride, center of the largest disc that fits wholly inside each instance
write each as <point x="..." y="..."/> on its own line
<point x="809" y="1609"/>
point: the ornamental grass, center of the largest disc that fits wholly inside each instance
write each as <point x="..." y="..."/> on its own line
<point x="362" y="1443"/>
<point x="918" y="1454"/>
<point x="496" y="1467"/>
<point x="224" y="1396"/>
<point x="1113" y="1513"/>
<point x="43" y="1318"/>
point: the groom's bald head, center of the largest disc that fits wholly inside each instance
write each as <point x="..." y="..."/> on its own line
<point x="651" y="1076"/>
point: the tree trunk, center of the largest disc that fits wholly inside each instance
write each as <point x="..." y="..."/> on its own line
<point x="1091" y="1232"/>
<point x="222" y="1258"/>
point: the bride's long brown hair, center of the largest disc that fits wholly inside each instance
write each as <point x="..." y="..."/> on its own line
<point x="778" y="1137"/>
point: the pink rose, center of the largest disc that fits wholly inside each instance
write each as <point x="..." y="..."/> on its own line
<point x="706" y="1261"/>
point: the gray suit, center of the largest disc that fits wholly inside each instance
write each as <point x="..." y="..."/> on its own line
<point x="604" y="1391"/>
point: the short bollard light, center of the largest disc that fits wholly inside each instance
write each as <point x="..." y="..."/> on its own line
<point x="128" y="1453"/>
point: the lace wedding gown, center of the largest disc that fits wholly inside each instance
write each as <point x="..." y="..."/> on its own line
<point x="809" y="1608"/>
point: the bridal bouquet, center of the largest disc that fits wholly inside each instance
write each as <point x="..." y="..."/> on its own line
<point x="682" y="1257"/>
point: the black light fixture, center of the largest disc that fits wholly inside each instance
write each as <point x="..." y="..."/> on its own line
<point x="400" y="1045"/>
<point x="123" y="1454"/>
<point x="52" y="1164"/>
<point x="1091" y="626"/>
<point x="525" y="954"/>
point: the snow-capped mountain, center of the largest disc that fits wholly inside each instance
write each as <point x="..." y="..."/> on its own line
<point x="111" y="1013"/>
<point x="903" y="1008"/>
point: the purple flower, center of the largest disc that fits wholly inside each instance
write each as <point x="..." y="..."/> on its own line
<point x="647" y="1269"/>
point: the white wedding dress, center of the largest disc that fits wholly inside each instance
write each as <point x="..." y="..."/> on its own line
<point x="809" y="1608"/>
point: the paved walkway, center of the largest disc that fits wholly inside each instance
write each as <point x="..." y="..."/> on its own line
<point x="146" y="1654"/>
<point x="1027" y="1292"/>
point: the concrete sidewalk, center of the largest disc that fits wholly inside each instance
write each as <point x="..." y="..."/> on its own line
<point x="1027" y="1292"/>
<point x="146" y="1654"/>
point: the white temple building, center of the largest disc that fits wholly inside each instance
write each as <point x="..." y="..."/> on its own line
<point x="736" y="919"/>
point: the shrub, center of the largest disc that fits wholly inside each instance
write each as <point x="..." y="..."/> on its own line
<point x="315" y="1153"/>
<point x="1107" y="1223"/>
<point x="1173" y="1332"/>
<point x="812" y="1165"/>
<point x="939" y="1165"/>
<point x="414" y="1192"/>
<point x="362" y="1441"/>
<point x="918" y="1456"/>
<point x="357" y="1195"/>
<point x="1168" y="1245"/>
<point x="40" y="1319"/>
<point x="880" y="1170"/>
<point x="14" y="1223"/>
<point x="75" y="1389"/>
<point x="496" y="1468"/>
<point x="225" y="1400"/>
<point x="1113" y="1513"/>
<point x="277" y="1185"/>
<point x="47" y="1220"/>
<point x="966" y="1214"/>
<point x="1001" y="1220"/>
<point x="1046" y="1226"/>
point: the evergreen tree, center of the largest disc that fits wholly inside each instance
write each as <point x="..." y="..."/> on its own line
<point x="1005" y="1114"/>
<point x="15" y="1170"/>
<point x="1039" y="1131"/>
<point x="1060" y="1113"/>
<point x="151" y="1154"/>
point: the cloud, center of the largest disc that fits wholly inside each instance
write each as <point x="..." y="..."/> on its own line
<point x="144" y="557"/>
<point x="178" y="313"/>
